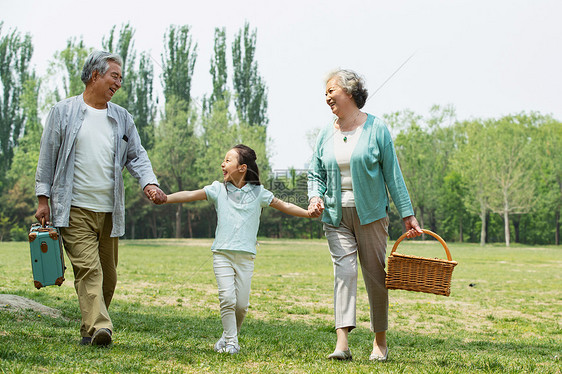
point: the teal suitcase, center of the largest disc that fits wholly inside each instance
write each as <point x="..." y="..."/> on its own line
<point x="47" y="257"/>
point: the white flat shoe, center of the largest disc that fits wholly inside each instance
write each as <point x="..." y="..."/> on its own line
<point x="340" y="355"/>
<point x="376" y="357"/>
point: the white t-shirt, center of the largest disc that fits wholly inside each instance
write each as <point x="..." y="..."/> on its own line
<point x="94" y="164"/>
<point x="344" y="144"/>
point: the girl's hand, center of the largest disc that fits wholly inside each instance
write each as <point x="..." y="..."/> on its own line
<point x="159" y="199"/>
<point x="316" y="207"/>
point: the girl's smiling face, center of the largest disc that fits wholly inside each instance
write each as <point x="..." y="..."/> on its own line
<point x="232" y="171"/>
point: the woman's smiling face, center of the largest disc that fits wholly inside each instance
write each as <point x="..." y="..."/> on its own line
<point x="336" y="97"/>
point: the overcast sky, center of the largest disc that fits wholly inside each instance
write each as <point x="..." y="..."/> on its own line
<point x="487" y="58"/>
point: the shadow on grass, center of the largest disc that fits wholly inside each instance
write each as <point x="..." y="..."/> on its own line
<point x="160" y="339"/>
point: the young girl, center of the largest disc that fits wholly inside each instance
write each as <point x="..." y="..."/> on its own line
<point x="238" y="202"/>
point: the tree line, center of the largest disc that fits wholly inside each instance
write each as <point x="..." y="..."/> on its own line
<point x="478" y="180"/>
<point x="483" y="180"/>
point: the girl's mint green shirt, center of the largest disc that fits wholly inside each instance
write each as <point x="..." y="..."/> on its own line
<point x="374" y="169"/>
<point x="238" y="215"/>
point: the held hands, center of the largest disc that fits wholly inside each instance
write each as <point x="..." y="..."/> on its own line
<point x="315" y="207"/>
<point x="413" y="228"/>
<point x="155" y="194"/>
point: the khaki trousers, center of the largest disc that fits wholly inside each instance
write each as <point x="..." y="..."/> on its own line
<point x="233" y="271"/>
<point x="93" y="254"/>
<point x="346" y="242"/>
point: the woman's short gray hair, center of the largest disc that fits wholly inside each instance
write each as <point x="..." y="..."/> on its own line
<point x="99" y="60"/>
<point x="352" y="83"/>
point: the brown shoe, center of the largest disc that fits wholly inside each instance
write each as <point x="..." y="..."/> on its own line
<point x="102" y="337"/>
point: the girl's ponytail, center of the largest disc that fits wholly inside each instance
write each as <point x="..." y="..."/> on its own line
<point x="247" y="155"/>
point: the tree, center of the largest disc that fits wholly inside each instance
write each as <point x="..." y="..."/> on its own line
<point x="217" y="132"/>
<point x="143" y="107"/>
<point x="220" y="129"/>
<point x="19" y="202"/>
<point x="176" y="144"/>
<point x="440" y="123"/>
<point x="124" y="47"/>
<point x="423" y="147"/>
<point x="178" y="62"/>
<point x="250" y="92"/>
<point x="401" y="120"/>
<point x="216" y="122"/>
<point x="67" y="68"/>
<point x="510" y="160"/>
<point x="413" y="149"/>
<point x="543" y="224"/>
<point x="471" y="162"/>
<point x="454" y="213"/>
<point x="551" y="144"/>
<point x="219" y="71"/>
<point x="15" y="54"/>
<point x="405" y="126"/>
<point x="175" y="153"/>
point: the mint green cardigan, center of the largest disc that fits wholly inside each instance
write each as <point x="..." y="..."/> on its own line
<point x="374" y="168"/>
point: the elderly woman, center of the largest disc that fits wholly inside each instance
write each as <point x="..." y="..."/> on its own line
<point x="353" y="165"/>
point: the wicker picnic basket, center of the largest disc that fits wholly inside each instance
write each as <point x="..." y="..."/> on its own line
<point x="413" y="273"/>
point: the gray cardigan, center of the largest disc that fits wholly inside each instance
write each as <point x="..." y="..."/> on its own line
<point x="55" y="168"/>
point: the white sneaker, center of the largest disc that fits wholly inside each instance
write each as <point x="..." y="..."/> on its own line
<point x="231" y="348"/>
<point x="220" y="344"/>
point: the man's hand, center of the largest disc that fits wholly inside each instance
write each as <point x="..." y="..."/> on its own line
<point x="43" y="211"/>
<point x="155" y="194"/>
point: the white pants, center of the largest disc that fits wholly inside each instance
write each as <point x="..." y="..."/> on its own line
<point x="233" y="271"/>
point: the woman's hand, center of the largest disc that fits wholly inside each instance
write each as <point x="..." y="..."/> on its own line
<point x="413" y="228"/>
<point x="315" y="207"/>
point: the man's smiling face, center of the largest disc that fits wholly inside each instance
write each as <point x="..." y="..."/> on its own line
<point x="107" y="85"/>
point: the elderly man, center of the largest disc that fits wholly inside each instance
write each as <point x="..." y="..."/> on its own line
<point x="86" y="143"/>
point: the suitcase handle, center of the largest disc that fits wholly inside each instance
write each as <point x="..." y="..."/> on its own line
<point x="43" y="227"/>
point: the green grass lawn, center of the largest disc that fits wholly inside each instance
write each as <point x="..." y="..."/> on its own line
<point x="166" y="314"/>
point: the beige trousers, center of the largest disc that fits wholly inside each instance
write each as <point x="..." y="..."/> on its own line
<point x="233" y="271"/>
<point x="346" y="242"/>
<point x="93" y="254"/>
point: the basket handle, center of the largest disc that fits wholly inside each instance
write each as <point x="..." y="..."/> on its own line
<point x="429" y="233"/>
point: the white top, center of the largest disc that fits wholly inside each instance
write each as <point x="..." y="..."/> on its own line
<point x="93" y="166"/>
<point x="238" y="215"/>
<point x="344" y="144"/>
